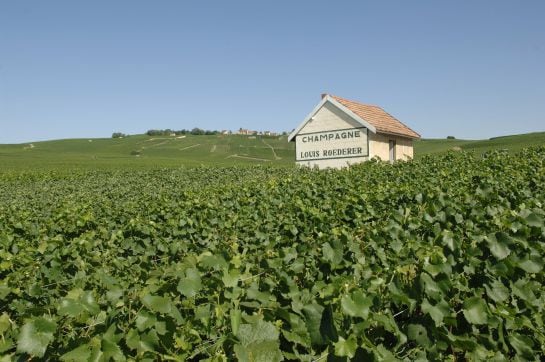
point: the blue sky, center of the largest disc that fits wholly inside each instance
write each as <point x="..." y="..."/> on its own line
<point x="471" y="69"/>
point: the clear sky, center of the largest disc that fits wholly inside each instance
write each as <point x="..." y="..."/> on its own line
<point x="471" y="69"/>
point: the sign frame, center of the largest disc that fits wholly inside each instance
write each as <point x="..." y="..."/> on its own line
<point x="333" y="158"/>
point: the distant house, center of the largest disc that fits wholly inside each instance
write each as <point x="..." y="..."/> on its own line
<point x="339" y="132"/>
<point x="245" y="131"/>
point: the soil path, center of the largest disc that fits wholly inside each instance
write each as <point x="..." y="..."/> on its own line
<point x="248" y="158"/>
<point x="188" y="147"/>
<point x="272" y="149"/>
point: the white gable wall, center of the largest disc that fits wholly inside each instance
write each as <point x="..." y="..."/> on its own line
<point x="330" y="118"/>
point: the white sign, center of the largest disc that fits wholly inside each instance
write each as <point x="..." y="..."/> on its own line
<point x="343" y="143"/>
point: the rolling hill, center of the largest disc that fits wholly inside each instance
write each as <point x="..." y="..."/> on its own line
<point x="142" y="151"/>
<point x="147" y="151"/>
<point x="510" y="143"/>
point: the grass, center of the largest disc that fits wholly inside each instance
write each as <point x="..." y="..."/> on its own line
<point x="510" y="143"/>
<point x="142" y="151"/>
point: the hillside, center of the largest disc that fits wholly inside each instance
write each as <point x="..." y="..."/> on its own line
<point x="142" y="151"/>
<point x="511" y="143"/>
<point x="145" y="151"/>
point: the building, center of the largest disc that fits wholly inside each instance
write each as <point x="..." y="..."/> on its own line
<point x="339" y="132"/>
<point x="247" y="132"/>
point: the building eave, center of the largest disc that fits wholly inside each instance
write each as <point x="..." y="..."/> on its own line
<point x="404" y="135"/>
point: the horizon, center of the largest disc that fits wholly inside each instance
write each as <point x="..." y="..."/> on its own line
<point x="234" y="133"/>
<point x="86" y="70"/>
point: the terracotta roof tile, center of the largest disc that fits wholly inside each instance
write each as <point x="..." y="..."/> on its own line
<point x="377" y="117"/>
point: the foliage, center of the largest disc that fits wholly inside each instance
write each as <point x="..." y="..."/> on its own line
<point x="439" y="258"/>
<point x="168" y="132"/>
<point x="118" y="135"/>
<point x="165" y="132"/>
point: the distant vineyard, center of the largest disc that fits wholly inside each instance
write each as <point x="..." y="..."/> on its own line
<point x="439" y="258"/>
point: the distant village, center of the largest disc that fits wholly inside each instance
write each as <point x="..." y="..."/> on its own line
<point x="199" y="131"/>
<point x="255" y="133"/>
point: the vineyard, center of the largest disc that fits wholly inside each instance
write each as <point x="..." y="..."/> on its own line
<point x="436" y="259"/>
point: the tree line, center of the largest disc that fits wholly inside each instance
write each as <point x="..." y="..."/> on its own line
<point x="170" y="132"/>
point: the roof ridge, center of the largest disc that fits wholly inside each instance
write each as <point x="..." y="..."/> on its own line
<point x="407" y="131"/>
<point x="349" y="100"/>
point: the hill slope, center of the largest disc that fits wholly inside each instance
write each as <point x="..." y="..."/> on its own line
<point x="511" y="143"/>
<point x="142" y="151"/>
<point x="146" y="151"/>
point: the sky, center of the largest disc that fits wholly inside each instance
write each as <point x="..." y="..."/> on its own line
<point x="83" y="69"/>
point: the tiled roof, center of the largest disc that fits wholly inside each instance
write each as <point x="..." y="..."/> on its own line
<point x="377" y="117"/>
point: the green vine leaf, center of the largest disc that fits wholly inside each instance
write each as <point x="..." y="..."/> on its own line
<point x="35" y="336"/>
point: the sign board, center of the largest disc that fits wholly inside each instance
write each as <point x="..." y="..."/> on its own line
<point x="327" y="145"/>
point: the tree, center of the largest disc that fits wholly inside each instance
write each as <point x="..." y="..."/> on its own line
<point x="197" y="131"/>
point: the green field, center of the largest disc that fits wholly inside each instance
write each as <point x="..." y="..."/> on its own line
<point x="216" y="248"/>
<point x="141" y="151"/>
<point x="436" y="259"/>
<point x="510" y="143"/>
